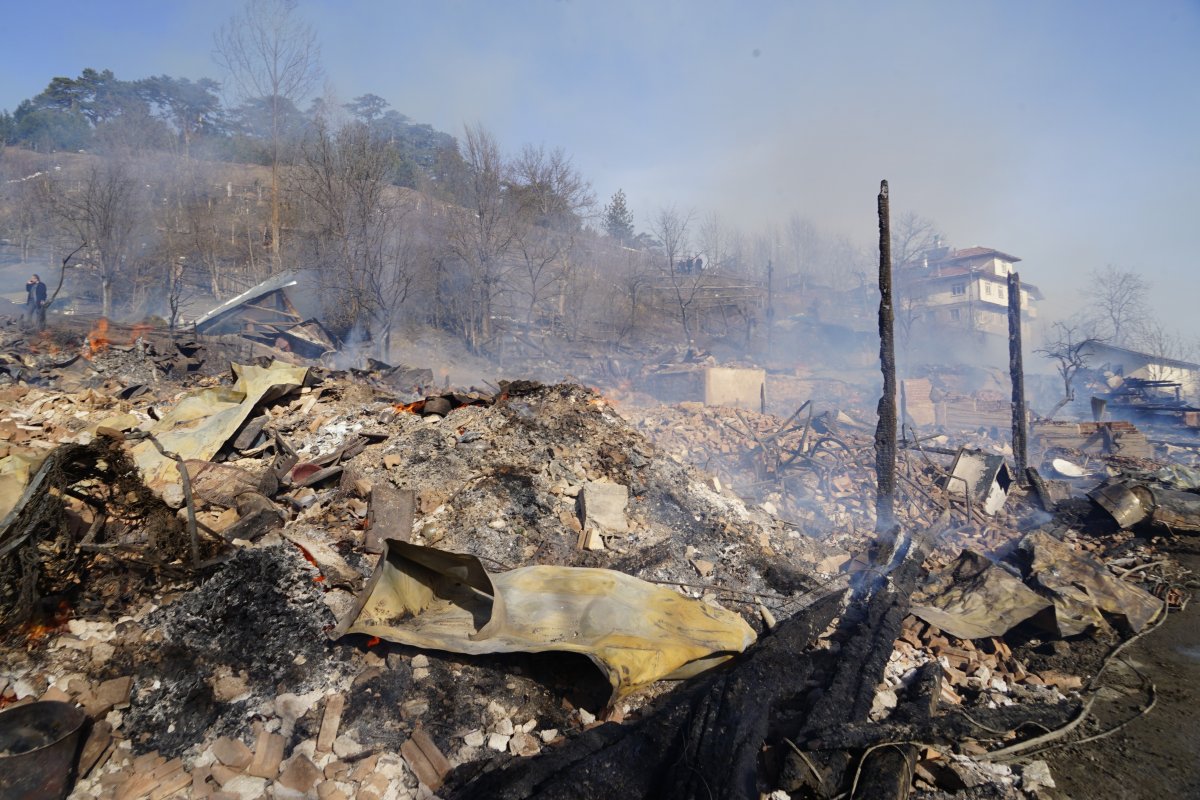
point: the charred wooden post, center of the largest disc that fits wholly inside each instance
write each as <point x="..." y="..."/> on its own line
<point x="1020" y="433"/>
<point x="885" y="431"/>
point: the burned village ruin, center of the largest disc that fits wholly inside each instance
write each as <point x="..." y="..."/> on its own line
<point x="341" y="457"/>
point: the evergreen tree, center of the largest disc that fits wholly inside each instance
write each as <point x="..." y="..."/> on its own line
<point x="618" y="219"/>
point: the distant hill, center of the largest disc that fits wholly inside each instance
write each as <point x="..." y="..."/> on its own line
<point x="97" y="111"/>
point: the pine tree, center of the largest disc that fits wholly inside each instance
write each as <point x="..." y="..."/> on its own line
<point x="618" y="220"/>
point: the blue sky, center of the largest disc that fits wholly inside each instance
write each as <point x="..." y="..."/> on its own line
<point x="1067" y="133"/>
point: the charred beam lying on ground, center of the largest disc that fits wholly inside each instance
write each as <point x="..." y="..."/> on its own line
<point x="706" y="740"/>
<point x="868" y="631"/>
<point x="949" y="728"/>
<point x="703" y="740"/>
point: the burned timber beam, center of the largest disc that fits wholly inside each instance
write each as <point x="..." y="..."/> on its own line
<point x="1016" y="368"/>
<point x="706" y="739"/>
<point x="701" y="741"/>
<point x="867" y="631"/>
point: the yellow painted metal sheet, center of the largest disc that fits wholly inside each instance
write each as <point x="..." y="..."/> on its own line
<point x="200" y="424"/>
<point x="635" y="632"/>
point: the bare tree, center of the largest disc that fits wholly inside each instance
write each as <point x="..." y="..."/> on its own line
<point x="1158" y="341"/>
<point x="1118" y="304"/>
<point x="635" y="275"/>
<point x="910" y="310"/>
<point x="176" y="182"/>
<point x="548" y="189"/>
<point x="670" y="227"/>
<point x="179" y="290"/>
<point x="816" y="258"/>
<point x="205" y="240"/>
<point x="550" y="199"/>
<point x="21" y="219"/>
<point x="481" y="237"/>
<point x="912" y="237"/>
<point x="797" y="246"/>
<point x="103" y="210"/>
<point x="270" y="53"/>
<point x="1070" y="350"/>
<point x="542" y="263"/>
<point x="715" y="239"/>
<point x="364" y="256"/>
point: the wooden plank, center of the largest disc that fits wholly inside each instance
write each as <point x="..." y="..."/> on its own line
<point x="389" y="516"/>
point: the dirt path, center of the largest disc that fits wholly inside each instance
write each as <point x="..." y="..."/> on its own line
<point x="1157" y="755"/>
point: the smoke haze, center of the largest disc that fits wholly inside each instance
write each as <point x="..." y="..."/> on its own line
<point x="1063" y="133"/>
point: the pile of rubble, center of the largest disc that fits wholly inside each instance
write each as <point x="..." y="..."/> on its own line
<point x="284" y="580"/>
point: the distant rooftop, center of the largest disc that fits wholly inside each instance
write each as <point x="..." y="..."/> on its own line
<point x="975" y="252"/>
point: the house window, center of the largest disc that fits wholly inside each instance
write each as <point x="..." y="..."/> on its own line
<point x="954" y="314"/>
<point x="987" y="290"/>
<point x="958" y="289"/>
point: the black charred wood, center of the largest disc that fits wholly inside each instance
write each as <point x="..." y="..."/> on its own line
<point x="867" y="631"/>
<point x="1016" y="368"/>
<point x="701" y="741"/>
<point x="885" y="431"/>
<point x="886" y="773"/>
<point x="1175" y="510"/>
<point x="390" y="514"/>
<point x="948" y="728"/>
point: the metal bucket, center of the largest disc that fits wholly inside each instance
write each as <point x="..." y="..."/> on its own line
<point x="39" y="743"/>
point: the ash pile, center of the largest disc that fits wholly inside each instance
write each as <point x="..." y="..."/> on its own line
<point x="200" y="622"/>
<point x="261" y="577"/>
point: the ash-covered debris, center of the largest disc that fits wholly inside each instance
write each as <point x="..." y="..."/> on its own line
<point x="503" y="482"/>
<point x="234" y="686"/>
<point x="254" y="630"/>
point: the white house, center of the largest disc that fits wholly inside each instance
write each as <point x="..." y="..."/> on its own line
<point x="962" y="289"/>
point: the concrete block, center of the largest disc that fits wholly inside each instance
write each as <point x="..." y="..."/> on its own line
<point x="734" y="387"/>
<point x="603" y="505"/>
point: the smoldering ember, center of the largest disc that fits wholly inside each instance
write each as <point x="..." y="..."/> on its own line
<point x="384" y="467"/>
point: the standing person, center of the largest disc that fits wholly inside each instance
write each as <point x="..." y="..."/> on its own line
<point x="35" y="300"/>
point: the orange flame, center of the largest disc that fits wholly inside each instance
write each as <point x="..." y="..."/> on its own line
<point x="44" y="625"/>
<point x="97" y="339"/>
<point x="415" y="407"/>
<point x="319" y="578"/>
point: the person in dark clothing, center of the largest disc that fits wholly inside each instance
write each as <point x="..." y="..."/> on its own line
<point x="35" y="300"/>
